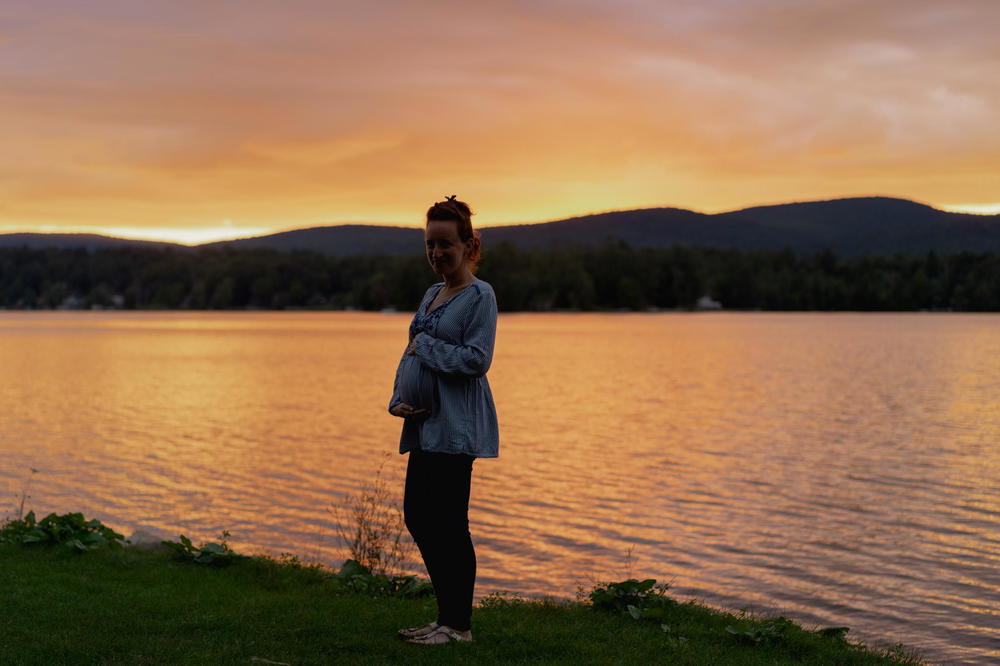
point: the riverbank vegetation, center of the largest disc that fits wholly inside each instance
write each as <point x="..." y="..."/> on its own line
<point x="610" y="276"/>
<point x="70" y="598"/>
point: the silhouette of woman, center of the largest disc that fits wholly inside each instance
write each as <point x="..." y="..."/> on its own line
<point x="449" y="419"/>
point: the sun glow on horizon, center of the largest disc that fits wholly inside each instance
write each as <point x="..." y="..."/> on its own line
<point x="179" y="235"/>
<point x="973" y="209"/>
<point x="227" y="230"/>
<point x="185" y="235"/>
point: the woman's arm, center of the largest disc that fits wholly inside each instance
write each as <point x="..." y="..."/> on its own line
<point x="473" y="358"/>
<point x="395" y="399"/>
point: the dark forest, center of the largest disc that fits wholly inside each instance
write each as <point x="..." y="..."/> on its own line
<point x="609" y="276"/>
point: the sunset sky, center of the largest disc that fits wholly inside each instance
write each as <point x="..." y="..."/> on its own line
<point x="193" y="121"/>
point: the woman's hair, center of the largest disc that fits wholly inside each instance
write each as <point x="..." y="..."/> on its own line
<point x="453" y="210"/>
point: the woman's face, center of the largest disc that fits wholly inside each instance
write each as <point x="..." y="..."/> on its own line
<point x="445" y="250"/>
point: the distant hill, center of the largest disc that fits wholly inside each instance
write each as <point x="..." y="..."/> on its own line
<point x="873" y="225"/>
<point x="849" y="227"/>
<point x="87" y="241"/>
<point x="342" y="239"/>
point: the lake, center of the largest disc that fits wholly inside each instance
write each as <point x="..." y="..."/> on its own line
<point x="838" y="468"/>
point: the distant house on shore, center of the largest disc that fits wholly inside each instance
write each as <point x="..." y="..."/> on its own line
<point x="707" y="303"/>
<point x="71" y="302"/>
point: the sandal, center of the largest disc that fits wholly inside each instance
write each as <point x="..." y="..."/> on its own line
<point x="413" y="632"/>
<point x="441" y="634"/>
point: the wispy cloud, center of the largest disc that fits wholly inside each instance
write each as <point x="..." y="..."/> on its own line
<point x="182" y="114"/>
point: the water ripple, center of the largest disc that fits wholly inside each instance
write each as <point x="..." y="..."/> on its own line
<point x="839" y="469"/>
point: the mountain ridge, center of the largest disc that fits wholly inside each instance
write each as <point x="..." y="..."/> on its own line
<point x="846" y="226"/>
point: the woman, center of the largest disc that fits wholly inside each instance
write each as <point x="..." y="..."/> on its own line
<point x="449" y="420"/>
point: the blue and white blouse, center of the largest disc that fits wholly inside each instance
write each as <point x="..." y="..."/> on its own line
<point x="446" y="374"/>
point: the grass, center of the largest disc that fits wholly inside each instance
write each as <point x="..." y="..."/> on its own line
<point x="140" y="606"/>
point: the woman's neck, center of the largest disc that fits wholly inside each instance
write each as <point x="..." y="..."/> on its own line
<point x="458" y="278"/>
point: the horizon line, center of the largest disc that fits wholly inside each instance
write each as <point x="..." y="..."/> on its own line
<point x="221" y="233"/>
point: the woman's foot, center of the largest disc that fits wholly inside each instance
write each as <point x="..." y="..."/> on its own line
<point x="442" y="634"/>
<point x="413" y="632"/>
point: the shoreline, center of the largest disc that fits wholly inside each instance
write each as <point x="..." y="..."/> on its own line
<point x="156" y="602"/>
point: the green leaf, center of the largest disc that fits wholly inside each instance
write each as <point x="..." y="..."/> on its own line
<point x="600" y="596"/>
<point x="646" y="584"/>
<point x="353" y="568"/>
<point x="834" y="632"/>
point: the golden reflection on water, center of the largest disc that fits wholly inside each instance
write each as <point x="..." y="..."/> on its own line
<point x="839" y="468"/>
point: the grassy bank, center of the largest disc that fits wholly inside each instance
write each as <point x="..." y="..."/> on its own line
<point x="62" y="605"/>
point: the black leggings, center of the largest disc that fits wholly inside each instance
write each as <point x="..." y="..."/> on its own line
<point x="436" y="510"/>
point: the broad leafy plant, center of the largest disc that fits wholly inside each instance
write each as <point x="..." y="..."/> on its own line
<point x="355" y="577"/>
<point x="69" y="529"/>
<point x="640" y="600"/>
<point x="214" y="554"/>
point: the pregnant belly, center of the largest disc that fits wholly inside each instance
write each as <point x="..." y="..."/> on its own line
<point x="416" y="383"/>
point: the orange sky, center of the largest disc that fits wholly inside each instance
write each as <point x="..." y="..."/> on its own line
<point x="193" y="121"/>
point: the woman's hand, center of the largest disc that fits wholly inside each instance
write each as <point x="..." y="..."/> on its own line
<point x="413" y="342"/>
<point x="404" y="410"/>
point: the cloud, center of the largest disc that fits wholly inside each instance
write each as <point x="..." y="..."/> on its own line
<point x="185" y="113"/>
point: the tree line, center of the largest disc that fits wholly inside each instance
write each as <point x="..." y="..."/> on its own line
<point x="609" y="276"/>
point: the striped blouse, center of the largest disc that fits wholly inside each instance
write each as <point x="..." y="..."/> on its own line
<point x="446" y="374"/>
